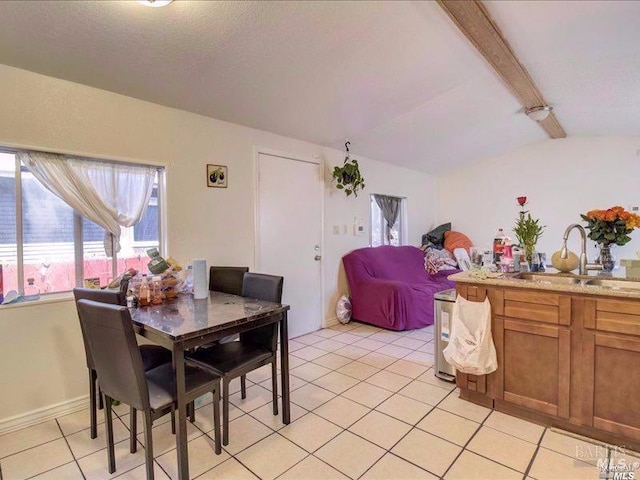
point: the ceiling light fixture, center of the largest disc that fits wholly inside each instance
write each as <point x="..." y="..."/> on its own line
<point x="155" y="3"/>
<point x="539" y="113"/>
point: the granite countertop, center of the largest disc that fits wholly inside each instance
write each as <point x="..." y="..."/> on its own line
<point x="545" y="281"/>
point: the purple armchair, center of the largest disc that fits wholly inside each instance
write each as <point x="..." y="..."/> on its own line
<point x="390" y="287"/>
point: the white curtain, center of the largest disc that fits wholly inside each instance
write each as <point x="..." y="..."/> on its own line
<point x="109" y="194"/>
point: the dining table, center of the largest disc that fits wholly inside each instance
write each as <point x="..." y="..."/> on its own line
<point x="185" y="323"/>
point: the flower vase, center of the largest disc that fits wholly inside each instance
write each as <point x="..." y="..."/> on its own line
<point x="607" y="260"/>
<point x="530" y="254"/>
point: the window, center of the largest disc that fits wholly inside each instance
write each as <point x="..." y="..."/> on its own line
<point x="380" y="235"/>
<point x="46" y="246"/>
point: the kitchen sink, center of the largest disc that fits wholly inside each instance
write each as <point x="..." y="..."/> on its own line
<point x="557" y="279"/>
<point x="551" y="278"/>
<point x="615" y="284"/>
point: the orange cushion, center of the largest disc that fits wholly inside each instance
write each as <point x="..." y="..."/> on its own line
<point x="453" y="240"/>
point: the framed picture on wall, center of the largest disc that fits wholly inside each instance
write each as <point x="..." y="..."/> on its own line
<point x="217" y="176"/>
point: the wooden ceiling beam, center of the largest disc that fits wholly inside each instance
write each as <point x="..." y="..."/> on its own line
<point x="473" y="20"/>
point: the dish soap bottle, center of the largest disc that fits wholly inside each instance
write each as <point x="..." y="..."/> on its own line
<point x="498" y="246"/>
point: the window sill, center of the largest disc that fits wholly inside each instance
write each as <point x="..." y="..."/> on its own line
<point x="43" y="300"/>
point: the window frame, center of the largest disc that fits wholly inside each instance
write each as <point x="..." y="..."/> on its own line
<point x="78" y="240"/>
<point x="402" y="220"/>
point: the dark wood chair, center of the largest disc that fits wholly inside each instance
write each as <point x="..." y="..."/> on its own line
<point x="227" y="279"/>
<point x="254" y="349"/>
<point x="118" y="361"/>
<point x="152" y="355"/>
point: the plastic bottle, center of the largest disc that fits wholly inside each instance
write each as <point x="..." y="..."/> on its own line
<point x="145" y="292"/>
<point x="498" y="246"/>
<point x="157" y="290"/>
<point x="507" y="261"/>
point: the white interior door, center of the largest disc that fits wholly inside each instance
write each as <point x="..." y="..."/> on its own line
<point x="290" y="235"/>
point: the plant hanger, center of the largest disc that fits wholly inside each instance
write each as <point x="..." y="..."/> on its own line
<point x="348" y="177"/>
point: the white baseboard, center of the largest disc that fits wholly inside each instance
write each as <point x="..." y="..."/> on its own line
<point x="43" y="414"/>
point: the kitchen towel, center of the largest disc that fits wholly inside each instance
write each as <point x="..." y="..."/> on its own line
<point x="200" y="287"/>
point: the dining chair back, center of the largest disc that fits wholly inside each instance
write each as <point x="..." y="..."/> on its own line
<point x="119" y="364"/>
<point x="268" y="288"/>
<point x="117" y="358"/>
<point x="255" y="348"/>
<point x="111" y="297"/>
<point x="152" y="355"/>
<point x="227" y="279"/>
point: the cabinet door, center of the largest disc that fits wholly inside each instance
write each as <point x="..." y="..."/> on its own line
<point x="612" y="383"/>
<point x="484" y="384"/>
<point x="534" y="365"/>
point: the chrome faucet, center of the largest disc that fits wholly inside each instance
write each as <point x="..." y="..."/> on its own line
<point x="564" y="253"/>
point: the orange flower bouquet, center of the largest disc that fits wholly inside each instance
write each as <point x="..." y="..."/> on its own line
<point x="611" y="226"/>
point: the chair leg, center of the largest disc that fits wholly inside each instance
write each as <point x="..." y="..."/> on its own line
<point x="274" y="386"/>
<point x="93" y="413"/>
<point x="100" y="403"/>
<point x="133" y="430"/>
<point x="173" y="419"/>
<point x="243" y="386"/>
<point x="216" y="419"/>
<point x="225" y="411"/>
<point x="148" y="443"/>
<point x="108" y="420"/>
<point x="192" y="412"/>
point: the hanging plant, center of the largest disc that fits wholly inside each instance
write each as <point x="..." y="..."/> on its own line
<point x="348" y="177"/>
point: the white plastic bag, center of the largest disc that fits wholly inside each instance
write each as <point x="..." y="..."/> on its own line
<point x="343" y="309"/>
<point x="471" y="348"/>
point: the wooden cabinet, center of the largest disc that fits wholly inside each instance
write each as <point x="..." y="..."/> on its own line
<point x="611" y="356"/>
<point x="564" y="359"/>
<point x="534" y="342"/>
<point x="535" y="370"/>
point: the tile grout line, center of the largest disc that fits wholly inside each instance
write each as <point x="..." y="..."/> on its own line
<point x="69" y="447"/>
<point x="464" y="447"/>
<point x="535" y="453"/>
<point x="406" y="434"/>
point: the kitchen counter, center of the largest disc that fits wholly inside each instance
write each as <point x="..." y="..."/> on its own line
<point x="624" y="288"/>
<point x="567" y="352"/>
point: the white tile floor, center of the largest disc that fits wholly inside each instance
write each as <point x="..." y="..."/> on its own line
<point x="365" y="405"/>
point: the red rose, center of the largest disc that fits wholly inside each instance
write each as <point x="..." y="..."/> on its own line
<point x="522" y="201"/>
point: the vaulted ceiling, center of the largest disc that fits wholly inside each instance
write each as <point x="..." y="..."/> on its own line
<point x="396" y="78"/>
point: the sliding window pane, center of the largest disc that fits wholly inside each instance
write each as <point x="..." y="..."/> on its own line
<point x="145" y="234"/>
<point x="97" y="265"/>
<point x="8" y="248"/>
<point x="48" y="239"/>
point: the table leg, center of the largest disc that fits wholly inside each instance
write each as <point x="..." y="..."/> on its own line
<point x="284" y="369"/>
<point x="181" y="430"/>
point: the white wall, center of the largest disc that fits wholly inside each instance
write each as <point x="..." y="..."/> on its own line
<point x="420" y="191"/>
<point x="561" y="178"/>
<point x="40" y="347"/>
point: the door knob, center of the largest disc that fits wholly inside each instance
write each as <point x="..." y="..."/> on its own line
<point x="317" y="258"/>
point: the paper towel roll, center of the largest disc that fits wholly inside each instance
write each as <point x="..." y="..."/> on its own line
<point x="200" y="287"/>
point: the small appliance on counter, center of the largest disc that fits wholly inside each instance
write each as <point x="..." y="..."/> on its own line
<point x="443" y="305"/>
